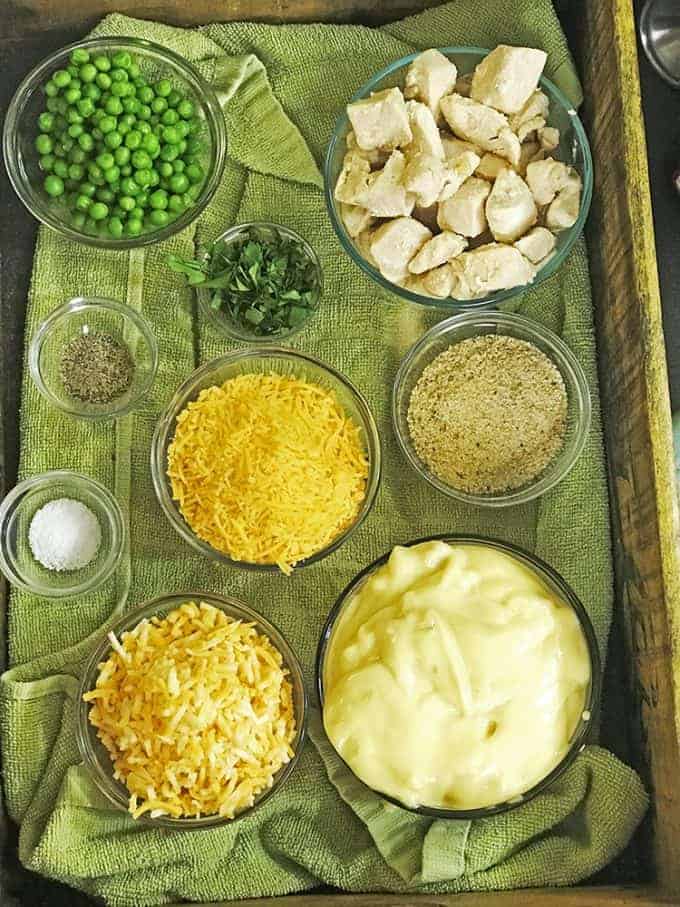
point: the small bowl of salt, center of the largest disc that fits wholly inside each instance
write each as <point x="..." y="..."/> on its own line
<point x="61" y="534"/>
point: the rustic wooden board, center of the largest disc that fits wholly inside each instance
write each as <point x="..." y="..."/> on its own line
<point x="634" y="391"/>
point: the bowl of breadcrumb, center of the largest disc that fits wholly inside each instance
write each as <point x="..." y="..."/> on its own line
<point x="492" y="409"/>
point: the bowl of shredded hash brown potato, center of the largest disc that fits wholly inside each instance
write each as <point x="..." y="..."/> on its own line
<point x="266" y="459"/>
<point x="192" y="711"/>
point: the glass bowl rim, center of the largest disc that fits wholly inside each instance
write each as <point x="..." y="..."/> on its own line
<point x="567" y="595"/>
<point x="104" y="782"/>
<point x="222" y="323"/>
<point x="203" y="91"/>
<point x="108" y="503"/>
<point x="449" y="303"/>
<point x="561" y="356"/>
<point x="81" y="304"/>
<point x="172" y="410"/>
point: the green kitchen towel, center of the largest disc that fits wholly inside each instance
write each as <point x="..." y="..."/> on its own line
<point x="282" y="89"/>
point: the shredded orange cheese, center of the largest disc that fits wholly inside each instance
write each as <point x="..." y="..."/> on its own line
<point x="267" y="468"/>
<point x="196" y="712"/>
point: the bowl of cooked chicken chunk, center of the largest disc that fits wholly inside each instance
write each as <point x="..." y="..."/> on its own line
<point x="459" y="177"/>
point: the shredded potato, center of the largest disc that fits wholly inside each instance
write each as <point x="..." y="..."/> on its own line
<point x="268" y="469"/>
<point x="196" y="712"/>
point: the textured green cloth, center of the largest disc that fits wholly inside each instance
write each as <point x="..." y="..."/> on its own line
<point x="283" y="88"/>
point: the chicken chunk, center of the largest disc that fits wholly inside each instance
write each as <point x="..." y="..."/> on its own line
<point x="376" y="158"/>
<point x="380" y="121"/>
<point x="426" y="138"/>
<point x="536" y="245"/>
<point x="424" y="177"/>
<point x="355" y="219"/>
<point x="507" y="76"/>
<point x="482" y="126"/>
<point x="563" y="210"/>
<point x="490" y="165"/>
<point x="353" y="178"/>
<point x="437" y="251"/>
<point x="395" y="243"/>
<point x="429" y="78"/>
<point x="510" y="207"/>
<point x="546" y="178"/>
<point x="385" y="194"/>
<point x="464" y="212"/>
<point x="549" y="138"/>
<point x="488" y="268"/>
<point x="457" y="172"/>
<point x="454" y="147"/>
<point x="532" y="116"/>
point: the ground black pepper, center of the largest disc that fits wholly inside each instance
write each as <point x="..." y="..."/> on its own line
<point x="96" y="368"/>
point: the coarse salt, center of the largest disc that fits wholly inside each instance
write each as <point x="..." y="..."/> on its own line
<point x="64" y="535"/>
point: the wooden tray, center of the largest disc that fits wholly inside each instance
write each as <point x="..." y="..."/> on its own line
<point x="636" y="414"/>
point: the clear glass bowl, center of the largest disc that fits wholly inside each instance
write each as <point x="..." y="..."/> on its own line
<point x="573" y="149"/>
<point x="224" y="321"/>
<point x="473" y="324"/>
<point x="266" y="360"/>
<point x="20" y="131"/>
<point x="82" y="316"/>
<point x="16" y="513"/>
<point x="557" y="585"/>
<point x="96" y="757"/>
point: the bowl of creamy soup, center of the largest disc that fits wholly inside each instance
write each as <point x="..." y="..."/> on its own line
<point x="458" y="676"/>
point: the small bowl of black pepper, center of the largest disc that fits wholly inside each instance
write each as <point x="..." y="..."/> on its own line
<point x="94" y="358"/>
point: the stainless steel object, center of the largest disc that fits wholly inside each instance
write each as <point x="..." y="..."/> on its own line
<point x="660" y="35"/>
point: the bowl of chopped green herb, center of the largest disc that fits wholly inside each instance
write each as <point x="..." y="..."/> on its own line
<point x="257" y="282"/>
<point x="94" y="358"/>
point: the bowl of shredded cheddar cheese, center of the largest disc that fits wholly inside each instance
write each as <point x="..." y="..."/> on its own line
<point x="266" y="459"/>
<point x="192" y="711"/>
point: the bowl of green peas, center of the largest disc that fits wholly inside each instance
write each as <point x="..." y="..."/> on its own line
<point x="115" y="142"/>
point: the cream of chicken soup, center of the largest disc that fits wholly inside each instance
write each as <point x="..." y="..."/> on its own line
<point x="454" y="677"/>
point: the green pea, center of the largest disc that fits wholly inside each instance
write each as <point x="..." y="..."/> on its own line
<point x="185" y="109"/>
<point x="102" y="63"/>
<point x="129" y="187"/>
<point x="118" y="75"/>
<point x="105" y="160"/>
<point x="144" y="112"/>
<point x="133" y="139"/>
<point x="155" y="179"/>
<point x="76" y="172"/>
<point x="46" y="122"/>
<point x="121" y="89"/>
<point x="121" y="155"/>
<point x="78" y="220"/>
<point x="96" y="172"/>
<point x="76" y="155"/>
<point x="157" y="129"/>
<point x="106" y="194"/>
<point x="151" y="144"/>
<point x="175" y="204"/>
<point x="134" y="71"/>
<point x="79" y="56"/>
<point x="178" y="166"/>
<point x="112" y="175"/>
<point x="98" y="211"/>
<point x="182" y="128"/>
<point x="122" y="59"/>
<point x="142" y="177"/>
<point x="182" y="145"/>
<point x="169" y="152"/>
<point x="85" y="107"/>
<point x="159" y="199"/>
<point x="158" y="105"/>
<point x="83" y="202"/>
<point x="113" y="140"/>
<point x="60" y="169"/>
<point x="194" y="191"/>
<point x="165" y="169"/>
<point x="171" y="136"/>
<point x="72" y="115"/>
<point x="92" y="92"/>
<point x="66" y="144"/>
<point x="123" y="129"/>
<point x="134" y="226"/>
<point x="75" y="130"/>
<point x="163" y="88"/>
<point x="169" y="117"/>
<point x="107" y="124"/>
<point x="88" y="189"/>
<point x="143" y="127"/>
<point x="87" y="73"/>
<point x="130" y="105"/>
<point x="54" y="185"/>
<point x="159" y="218"/>
<point x="86" y="141"/>
<point x="141" y="160"/>
<point x="52" y="105"/>
<point x="115" y="226"/>
<point x="47" y="162"/>
<point x="174" y="98"/>
<point x="51" y="90"/>
<point x="72" y="95"/>
<point x="61" y="78"/>
<point x="126" y="202"/>
<point x="44" y="144"/>
<point x="113" y="106"/>
<point x="146" y="94"/>
<point x="142" y="200"/>
<point x="179" y="183"/>
<point x="126" y="170"/>
<point x="103" y="80"/>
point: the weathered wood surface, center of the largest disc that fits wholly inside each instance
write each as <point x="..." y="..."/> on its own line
<point x="636" y="410"/>
<point x="634" y="388"/>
